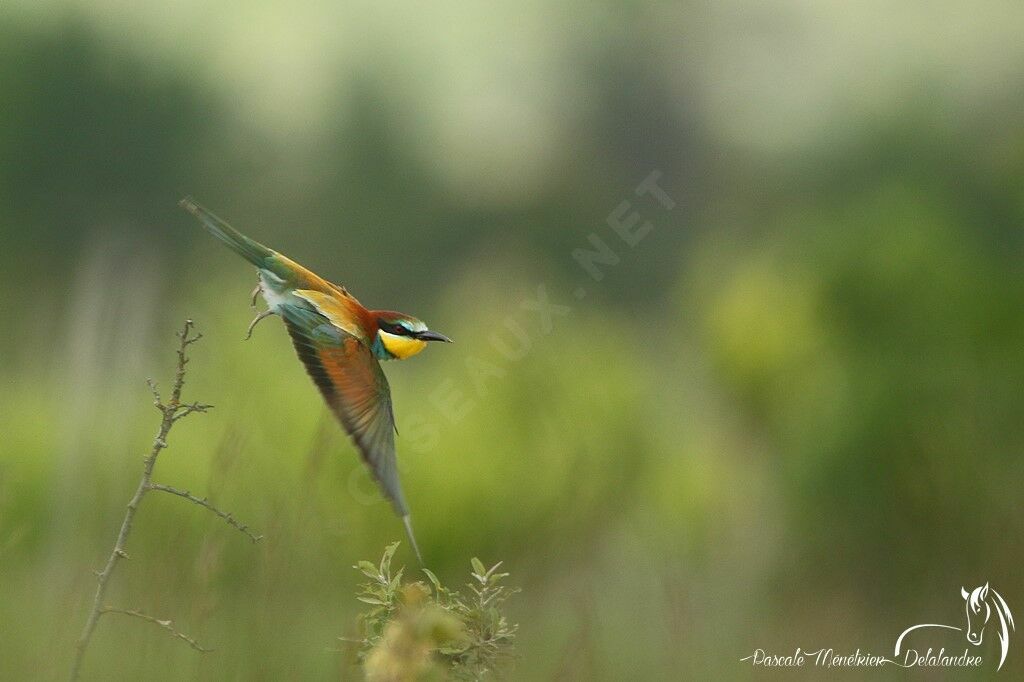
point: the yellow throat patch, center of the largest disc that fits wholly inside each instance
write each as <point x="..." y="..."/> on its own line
<point x="401" y="347"/>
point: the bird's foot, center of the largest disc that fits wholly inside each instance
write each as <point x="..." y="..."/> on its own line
<point x="252" y="325"/>
<point x="255" y="293"/>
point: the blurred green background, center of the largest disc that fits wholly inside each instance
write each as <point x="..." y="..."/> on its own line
<point x="790" y="416"/>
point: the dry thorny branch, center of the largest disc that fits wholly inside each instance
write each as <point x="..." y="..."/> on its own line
<point x="171" y="412"/>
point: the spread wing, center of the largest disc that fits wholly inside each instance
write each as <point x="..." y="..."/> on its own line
<point x="355" y="388"/>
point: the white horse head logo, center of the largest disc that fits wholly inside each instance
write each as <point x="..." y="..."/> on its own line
<point x="980" y="603"/>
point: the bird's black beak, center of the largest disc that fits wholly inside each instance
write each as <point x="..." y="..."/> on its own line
<point x="432" y="336"/>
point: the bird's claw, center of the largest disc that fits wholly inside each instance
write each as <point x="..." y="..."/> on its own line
<point x="255" y="293"/>
<point x="252" y="325"/>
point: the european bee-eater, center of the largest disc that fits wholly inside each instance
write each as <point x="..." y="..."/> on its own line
<point x="341" y="343"/>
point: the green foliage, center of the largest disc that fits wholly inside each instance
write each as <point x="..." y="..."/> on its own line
<point x="415" y="631"/>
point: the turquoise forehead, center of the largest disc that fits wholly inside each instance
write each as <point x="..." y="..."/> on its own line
<point x="412" y="325"/>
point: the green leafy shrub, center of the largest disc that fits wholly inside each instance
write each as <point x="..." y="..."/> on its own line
<point x="421" y="631"/>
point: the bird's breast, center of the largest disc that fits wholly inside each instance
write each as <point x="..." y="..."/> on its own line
<point x="274" y="291"/>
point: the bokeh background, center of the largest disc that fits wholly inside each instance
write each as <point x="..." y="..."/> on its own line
<point x="790" y="416"/>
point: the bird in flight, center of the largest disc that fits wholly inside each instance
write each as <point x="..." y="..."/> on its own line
<point x="341" y="343"/>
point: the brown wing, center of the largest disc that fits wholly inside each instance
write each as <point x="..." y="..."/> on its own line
<point x="355" y="388"/>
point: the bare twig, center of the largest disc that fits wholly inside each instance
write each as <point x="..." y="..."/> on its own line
<point x="186" y="410"/>
<point x="204" y="502"/>
<point x="165" y="624"/>
<point x="171" y="412"/>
